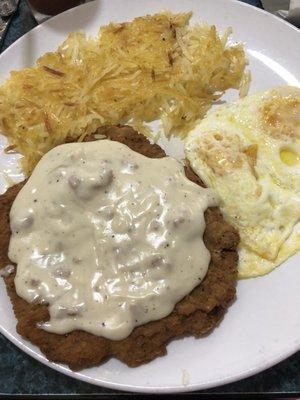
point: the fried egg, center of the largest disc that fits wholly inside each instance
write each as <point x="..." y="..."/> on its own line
<point x="249" y="153"/>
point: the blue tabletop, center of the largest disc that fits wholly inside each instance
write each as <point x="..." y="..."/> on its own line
<point x="20" y="373"/>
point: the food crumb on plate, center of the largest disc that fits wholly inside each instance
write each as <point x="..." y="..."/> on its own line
<point x="185" y="377"/>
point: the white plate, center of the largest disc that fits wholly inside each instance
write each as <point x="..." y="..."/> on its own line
<point x="263" y="326"/>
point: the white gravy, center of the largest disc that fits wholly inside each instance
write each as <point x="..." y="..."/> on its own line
<point x="108" y="238"/>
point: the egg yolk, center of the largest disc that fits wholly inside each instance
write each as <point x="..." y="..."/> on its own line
<point x="289" y="157"/>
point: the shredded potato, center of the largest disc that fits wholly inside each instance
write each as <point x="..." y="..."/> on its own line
<point x="155" y="67"/>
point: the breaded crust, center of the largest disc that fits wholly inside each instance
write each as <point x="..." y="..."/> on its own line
<point x="196" y="314"/>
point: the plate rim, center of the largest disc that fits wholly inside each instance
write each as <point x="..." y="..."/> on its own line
<point x="37" y="355"/>
<point x="239" y="3"/>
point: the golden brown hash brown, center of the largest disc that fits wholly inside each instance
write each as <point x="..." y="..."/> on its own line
<point x="153" y="67"/>
<point x="197" y="314"/>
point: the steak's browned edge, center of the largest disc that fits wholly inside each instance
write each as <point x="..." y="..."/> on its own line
<point x="196" y="314"/>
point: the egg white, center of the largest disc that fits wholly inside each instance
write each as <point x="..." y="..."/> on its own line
<point x="249" y="153"/>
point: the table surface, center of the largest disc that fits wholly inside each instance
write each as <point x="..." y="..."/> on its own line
<point x="20" y="373"/>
